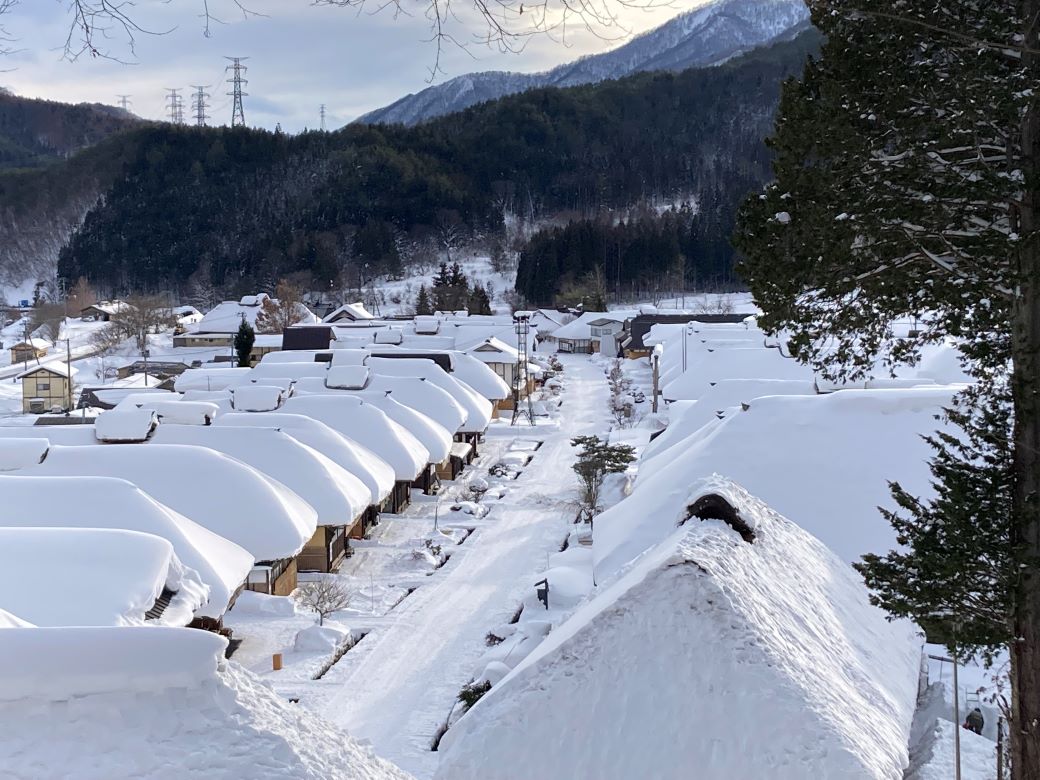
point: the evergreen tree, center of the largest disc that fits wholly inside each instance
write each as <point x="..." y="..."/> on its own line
<point x="479" y="301"/>
<point x="244" y="340"/>
<point x="908" y="185"/>
<point x="423" y="304"/>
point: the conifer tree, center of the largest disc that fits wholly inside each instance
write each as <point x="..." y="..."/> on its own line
<point x="907" y="166"/>
<point x="423" y="304"/>
<point x="244" y="340"/>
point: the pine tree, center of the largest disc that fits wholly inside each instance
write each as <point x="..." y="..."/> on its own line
<point x="423" y="304"/>
<point x="908" y="185"/>
<point x="244" y="340"/>
<point x="479" y="301"/>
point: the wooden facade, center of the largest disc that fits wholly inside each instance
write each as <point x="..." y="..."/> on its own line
<point x="275" y="578"/>
<point x="44" y="388"/>
<point x="26" y="351"/>
<point x="327" y="548"/>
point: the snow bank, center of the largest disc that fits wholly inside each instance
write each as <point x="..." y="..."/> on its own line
<point x="367" y="424"/>
<point x="220" y="493"/>
<point x="19" y="453"/>
<point x="823" y="460"/>
<point x="337" y="495"/>
<point x="101" y="502"/>
<point x="374" y="472"/>
<point x="93" y="577"/>
<point x="98" y="704"/>
<point x="743" y="660"/>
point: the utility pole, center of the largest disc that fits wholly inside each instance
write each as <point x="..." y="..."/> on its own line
<point x="238" y="114"/>
<point x="125" y="102"/>
<point x="200" y="105"/>
<point x="175" y="106"/>
<point x="322" y="111"/>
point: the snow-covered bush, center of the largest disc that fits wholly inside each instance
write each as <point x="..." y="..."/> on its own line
<point x="472" y="692"/>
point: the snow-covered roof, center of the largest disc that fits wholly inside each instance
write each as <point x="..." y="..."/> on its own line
<point x="7" y="620"/>
<point x="291" y="356"/>
<point x="720" y="399"/>
<point x="137" y="397"/>
<point x="581" y="328"/>
<point x="103" y="502"/>
<point x="296" y="370"/>
<point x="423" y="396"/>
<point x="349" y="311"/>
<point x="24" y="451"/>
<point x="55" y="367"/>
<point x="94" y="577"/>
<point x="738" y="363"/>
<point x="125" y="424"/>
<point x="183" y="411"/>
<point x="337" y="495"/>
<point x="158" y="702"/>
<point x="478" y="408"/>
<point x="823" y="459"/>
<point x="226" y="317"/>
<point x="427" y="325"/>
<point x="369" y="426"/>
<point x="471" y="369"/>
<point x="218" y="492"/>
<point x="373" y="471"/>
<point x="431" y="434"/>
<point x="72" y="435"/>
<point x="34" y="343"/>
<point x="388" y="335"/>
<point x="210" y="378"/>
<point x="257" y="398"/>
<point x="347" y="377"/>
<point x="741" y="660"/>
<point x="110" y="308"/>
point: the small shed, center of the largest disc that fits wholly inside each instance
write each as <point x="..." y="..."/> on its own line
<point x="103" y="311"/>
<point x="30" y="349"/>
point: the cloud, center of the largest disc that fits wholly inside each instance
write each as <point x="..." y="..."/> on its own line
<point x="299" y="57"/>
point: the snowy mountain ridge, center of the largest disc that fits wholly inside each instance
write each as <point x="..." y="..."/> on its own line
<point x="703" y="37"/>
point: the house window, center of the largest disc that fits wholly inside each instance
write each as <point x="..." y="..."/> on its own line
<point x="43" y="386"/>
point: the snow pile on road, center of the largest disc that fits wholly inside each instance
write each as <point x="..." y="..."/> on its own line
<point x="823" y="460"/>
<point x="94" y="577"/>
<point x="100" y="704"/>
<point x="760" y="659"/>
<point x="102" y="502"/>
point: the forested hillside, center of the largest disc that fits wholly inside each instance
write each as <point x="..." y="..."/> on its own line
<point x="236" y="208"/>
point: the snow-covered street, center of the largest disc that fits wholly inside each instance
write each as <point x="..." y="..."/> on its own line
<point x="398" y="685"/>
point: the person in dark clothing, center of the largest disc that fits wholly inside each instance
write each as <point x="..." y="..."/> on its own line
<point x="974" y="721"/>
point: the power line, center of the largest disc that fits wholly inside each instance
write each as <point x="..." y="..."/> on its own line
<point x="238" y="114"/>
<point x="323" y="117"/>
<point x="175" y="105"/>
<point x="125" y="102"/>
<point x="199" y="104"/>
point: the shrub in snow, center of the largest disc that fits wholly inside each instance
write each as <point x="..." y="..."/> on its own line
<point x="324" y="596"/>
<point x="596" y="459"/>
<point x="492" y="639"/>
<point x="472" y="692"/>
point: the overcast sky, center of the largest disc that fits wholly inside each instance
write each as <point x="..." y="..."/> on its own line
<point x="299" y="57"/>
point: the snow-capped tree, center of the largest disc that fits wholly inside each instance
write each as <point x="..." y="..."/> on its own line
<point x="908" y="185"/>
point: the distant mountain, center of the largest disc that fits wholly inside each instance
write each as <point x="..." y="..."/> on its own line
<point x="34" y="133"/>
<point x="709" y="35"/>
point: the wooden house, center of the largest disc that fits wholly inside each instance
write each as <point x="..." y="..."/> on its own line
<point x="30" y="349"/>
<point x="45" y="387"/>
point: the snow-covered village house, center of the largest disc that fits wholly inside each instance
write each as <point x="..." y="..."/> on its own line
<point x="28" y="350"/>
<point x="503" y="359"/>
<point x="103" y="311"/>
<point x="46" y="387"/>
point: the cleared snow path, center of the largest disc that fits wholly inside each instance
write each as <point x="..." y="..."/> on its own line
<point x="398" y="685"/>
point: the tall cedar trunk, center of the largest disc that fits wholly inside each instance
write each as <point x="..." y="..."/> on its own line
<point x="1025" y="650"/>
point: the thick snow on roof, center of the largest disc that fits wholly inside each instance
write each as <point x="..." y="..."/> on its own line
<point x="741" y="660"/>
<point x="125" y="424"/>
<point x="423" y="396"/>
<point x="824" y="460"/>
<point x="102" y="502"/>
<point x="336" y="494"/>
<point x="374" y="472"/>
<point x="369" y="426"/>
<point x="257" y="398"/>
<point x="478" y="408"/>
<point x="54" y="367"/>
<point x="347" y="377"/>
<point x="739" y="363"/>
<point x="99" y="704"/>
<point x="581" y="330"/>
<point x="218" y="492"/>
<point x="294" y="370"/>
<point x="226" y="317"/>
<point x="19" y="453"/>
<point x="473" y="371"/>
<point x="291" y="356"/>
<point x="210" y="378"/>
<point x="350" y="311"/>
<point x="719" y="400"/>
<point x="93" y="577"/>
<point x="71" y="435"/>
<point x="183" y="411"/>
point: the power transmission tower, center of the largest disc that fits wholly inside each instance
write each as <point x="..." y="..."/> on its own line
<point x="175" y="106"/>
<point x="200" y="105"/>
<point x="521" y="375"/>
<point x="125" y="102"/>
<point x="238" y="114"/>
<point x="323" y="117"/>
